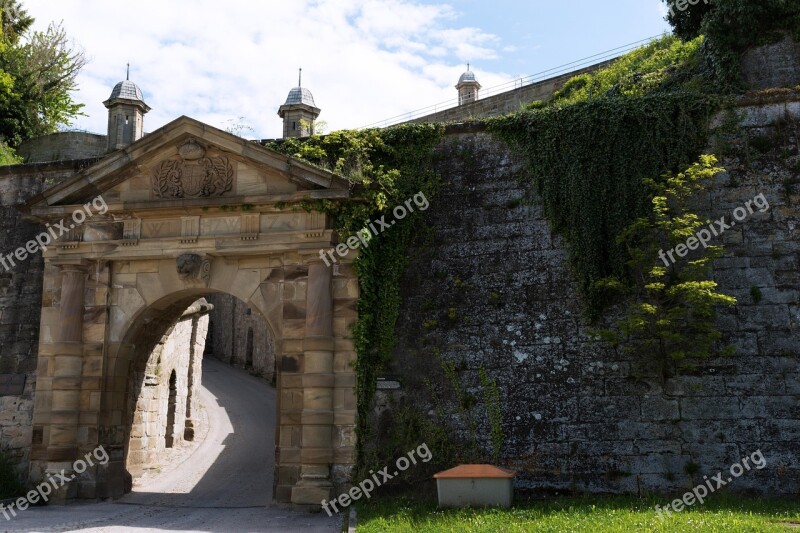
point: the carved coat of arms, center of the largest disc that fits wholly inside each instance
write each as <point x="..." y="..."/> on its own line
<point x="194" y="175"/>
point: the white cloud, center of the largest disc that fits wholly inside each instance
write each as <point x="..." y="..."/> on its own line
<point x="364" y="60"/>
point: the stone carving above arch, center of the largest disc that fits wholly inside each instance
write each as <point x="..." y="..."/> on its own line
<point x="194" y="268"/>
<point x="194" y="175"/>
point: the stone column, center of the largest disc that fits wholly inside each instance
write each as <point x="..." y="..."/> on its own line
<point x="67" y="371"/>
<point x="318" y="382"/>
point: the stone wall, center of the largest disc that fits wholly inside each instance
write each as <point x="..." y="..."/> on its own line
<point x="495" y="291"/>
<point x="63" y="146"/>
<point x="240" y="337"/>
<point x="509" y="101"/>
<point x="179" y="351"/>
<point x="20" y="303"/>
<point x="774" y="65"/>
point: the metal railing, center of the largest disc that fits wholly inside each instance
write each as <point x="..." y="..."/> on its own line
<point x="516" y="83"/>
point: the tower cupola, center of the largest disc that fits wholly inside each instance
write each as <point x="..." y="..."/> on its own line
<point x="126" y="110"/>
<point x="299" y="111"/>
<point x="468" y="87"/>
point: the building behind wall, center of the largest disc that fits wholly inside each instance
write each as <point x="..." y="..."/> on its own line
<point x="239" y="336"/>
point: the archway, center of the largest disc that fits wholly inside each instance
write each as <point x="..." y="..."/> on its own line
<point x="114" y="285"/>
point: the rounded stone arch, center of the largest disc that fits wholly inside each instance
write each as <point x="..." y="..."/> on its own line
<point x="133" y="335"/>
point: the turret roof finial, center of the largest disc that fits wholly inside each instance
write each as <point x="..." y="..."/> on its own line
<point x="128" y="73"/>
<point x="300" y="78"/>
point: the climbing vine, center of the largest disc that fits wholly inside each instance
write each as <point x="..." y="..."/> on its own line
<point x="385" y="168"/>
<point x="588" y="162"/>
<point x="615" y="158"/>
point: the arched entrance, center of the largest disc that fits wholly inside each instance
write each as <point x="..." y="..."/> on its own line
<point x="153" y="242"/>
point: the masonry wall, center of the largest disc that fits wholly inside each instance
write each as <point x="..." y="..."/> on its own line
<point x="63" y="146"/>
<point x="20" y="303"/>
<point x="495" y="291"/>
<point x="240" y="337"/>
<point x="180" y="351"/>
<point x="774" y="65"/>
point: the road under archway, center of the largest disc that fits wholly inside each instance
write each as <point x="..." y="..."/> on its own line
<point x="217" y="487"/>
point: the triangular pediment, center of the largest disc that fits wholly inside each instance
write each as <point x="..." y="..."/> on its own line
<point x="188" y="163"/>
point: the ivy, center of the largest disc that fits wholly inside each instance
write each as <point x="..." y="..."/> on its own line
<point x="588" y="162"/>
<point x="385" y="167"/>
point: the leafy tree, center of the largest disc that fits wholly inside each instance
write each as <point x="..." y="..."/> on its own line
<point x="41" y="68"/>
<point x="16" y="20"/>
<point x="687" y="22"/>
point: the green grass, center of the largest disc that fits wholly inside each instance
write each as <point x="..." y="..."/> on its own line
<point x="582" y="514"/>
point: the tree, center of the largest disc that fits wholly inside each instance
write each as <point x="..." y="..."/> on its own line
<point x="669" y="311"/>
<point x="43" y="67"/>
<point x="687" y="19"/>
<point x="733" y="26"/>
<point x="16" y="20"/>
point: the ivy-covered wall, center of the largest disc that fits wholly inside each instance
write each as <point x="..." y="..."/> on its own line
<point x="498" y="362"/>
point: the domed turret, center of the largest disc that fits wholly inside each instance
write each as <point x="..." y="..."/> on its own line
<point x="468" y="87"/>
<point x="299" y="111"/>
<point x="126" y="110"/>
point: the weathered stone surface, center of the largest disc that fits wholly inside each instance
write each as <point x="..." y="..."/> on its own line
<point x="774" y="65"/>
<point x="498" y="285"/>
<point x="161" y="418"/>
<point x="239" y="335"/>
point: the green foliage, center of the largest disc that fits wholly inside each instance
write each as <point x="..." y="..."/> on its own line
<point x="670" y="306"/>
<point x="686" y="23"/>
<point x="16" y="20"/>
<point x="654" y="67"/>
<point x="691" y="468"/>
<point x="8" y="156"/>
<point x="733" y="26"/>
<point x="37" y="77"/>
<point x="386" y="167"/>
<point x="10" y="483"/>
<point x="494" y="299"/>
<point x="588" y="162"/>
<point x="755" y="294"/>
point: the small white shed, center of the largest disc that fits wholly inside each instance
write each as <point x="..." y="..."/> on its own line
<point x="475" y="486"/>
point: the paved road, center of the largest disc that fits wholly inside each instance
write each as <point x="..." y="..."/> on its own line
<point x="224" y="485"/>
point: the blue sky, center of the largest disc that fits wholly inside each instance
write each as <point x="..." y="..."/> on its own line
<point x="364" y="60"/>
<point x="549" y="33"/>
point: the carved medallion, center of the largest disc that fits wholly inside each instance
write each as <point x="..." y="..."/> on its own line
<point x="194" y="175"/>
<point x="194" y="268"/>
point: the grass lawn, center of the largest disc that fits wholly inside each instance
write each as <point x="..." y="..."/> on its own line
<point x="577" y="514"/>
